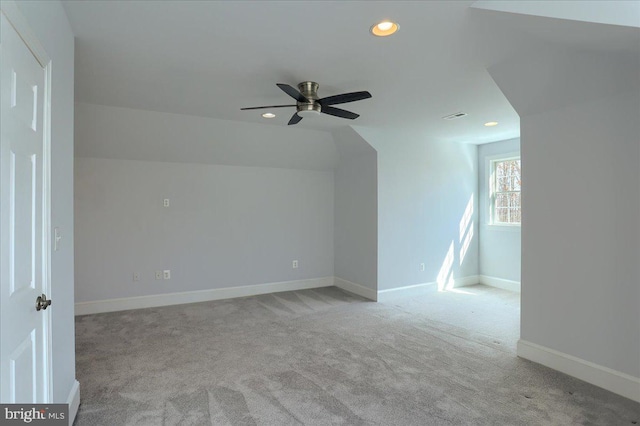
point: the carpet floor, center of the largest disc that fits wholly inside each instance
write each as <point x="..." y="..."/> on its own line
<point x="326" y="357"/>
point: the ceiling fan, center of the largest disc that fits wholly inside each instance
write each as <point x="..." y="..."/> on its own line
<point x="309" y="103"/>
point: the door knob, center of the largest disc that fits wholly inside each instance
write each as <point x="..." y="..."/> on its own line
<point x="42" y="302"/>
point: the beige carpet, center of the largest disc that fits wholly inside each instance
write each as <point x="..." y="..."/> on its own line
<point x="324" y="357"/>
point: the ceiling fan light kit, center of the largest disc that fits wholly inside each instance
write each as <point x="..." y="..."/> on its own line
<point x="308" y="102"/>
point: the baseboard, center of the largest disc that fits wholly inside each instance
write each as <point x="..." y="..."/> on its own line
<point x="500" y="283"/>
<point x="418" y="289"/>
<point x="354" y="288"/>
<point x="405" y="291"/>
<point x="74" y="401"/>
<point x="152" y="301"/>
<point x="606" y="378"/>
<point x="466" y="281"/>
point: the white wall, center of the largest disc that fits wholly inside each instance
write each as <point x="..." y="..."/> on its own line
<point x="49" y="22"/>
<point x="424" y="189"/>
<point x="356" y="210"/>
<point x="580" y="149"/>
<point x="581" y="239"/>
<point x="499" y="246"/>
<point x="133" y="134"/>
<point x="226" y="226"/>
<point x="246" y="200"/>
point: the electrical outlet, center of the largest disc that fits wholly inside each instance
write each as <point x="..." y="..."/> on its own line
<point x="166" y="202"/>
<point x="167" y="274"/>
<point x="294" y="264"/>
<point x="422" y="267"/>
<point x="158" y="275"/>
<point x="136" y="276"/>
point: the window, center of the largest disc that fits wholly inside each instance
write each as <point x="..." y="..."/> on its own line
<point x="506" y="182"/>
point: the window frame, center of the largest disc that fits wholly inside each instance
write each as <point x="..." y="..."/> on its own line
<point x="491" y="179"/>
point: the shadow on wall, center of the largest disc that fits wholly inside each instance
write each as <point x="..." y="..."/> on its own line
<point x="446" y="279"/>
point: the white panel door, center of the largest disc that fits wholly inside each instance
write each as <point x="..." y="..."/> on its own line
<point x="24" y="373"/>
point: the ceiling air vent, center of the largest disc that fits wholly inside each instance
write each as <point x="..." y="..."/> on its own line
<point x="454" y="116"/>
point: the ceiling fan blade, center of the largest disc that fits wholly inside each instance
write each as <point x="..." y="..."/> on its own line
<point x="295" y="119"/>
<point x="293" y="92"/>
<point x="270" y="106"/>
<point x="344" y="98"/>
<point x="339" y="112"/>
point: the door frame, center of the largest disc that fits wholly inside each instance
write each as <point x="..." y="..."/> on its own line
<point x="10" y="10"/>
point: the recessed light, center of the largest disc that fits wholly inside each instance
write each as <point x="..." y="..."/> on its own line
<point x="491" y="123"/>
<point x="268" y="115"/>
<point x="384" y="28"/>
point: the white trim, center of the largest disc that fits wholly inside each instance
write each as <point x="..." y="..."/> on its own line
<point x="74" y="401"/>
<point x="151" y="301"/>
<point x="504" y="227"/>
<point x="47" y="228"/>
<point x="500" y="283"/>
<point x="354" y="288"/>
<point x="417" y="289"/>
<point x="489" y="171"/>
<point x="604" y="377"/>
<point x="406" y="291"/>
<point x="406" y="288"/>
<point x="14" y="16"/>
<point x="505" y="155"/>
<point x="458" y="282"/>
<point x="466" y="281"/>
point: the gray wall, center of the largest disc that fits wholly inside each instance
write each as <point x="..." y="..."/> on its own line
<point x="581" y="239"/>
<point x="356" y="210"/>
<point x="424" y="189"/>
<point x="49" y="23"/>
<point x="499" y="245"/>
<point x="133" y="134"/>
<point x="226" y="226"/>
<point x="580" y="148"/>
<point x="242" y="207"/>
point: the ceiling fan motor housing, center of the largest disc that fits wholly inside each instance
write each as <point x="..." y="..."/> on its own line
<point x="309" y="90"/>
<point x="308" y="102"/>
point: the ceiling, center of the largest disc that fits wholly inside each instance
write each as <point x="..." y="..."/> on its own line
<point x="210" y="58"/>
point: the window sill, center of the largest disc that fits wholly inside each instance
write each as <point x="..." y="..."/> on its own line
<point x="504" y="227"/>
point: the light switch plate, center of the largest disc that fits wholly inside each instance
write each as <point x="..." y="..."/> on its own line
<point x="57" y="236"/>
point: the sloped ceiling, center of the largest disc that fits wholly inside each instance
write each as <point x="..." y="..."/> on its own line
<point x="614" y="12"/>
<point x="210" y="58"/>
<point x="133" y="134"/>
